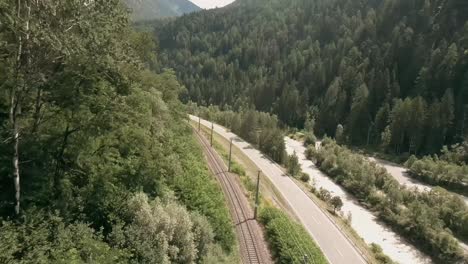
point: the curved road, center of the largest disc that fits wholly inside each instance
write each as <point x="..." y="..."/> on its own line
<point x="335" y="246"/>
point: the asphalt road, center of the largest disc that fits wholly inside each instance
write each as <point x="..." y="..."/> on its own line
<point x="335" y="246"/>
<point x="364" y="222"/>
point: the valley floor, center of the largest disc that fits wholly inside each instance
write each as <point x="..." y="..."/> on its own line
<point x="336" y="247"/>
<point x="363" y="221"/>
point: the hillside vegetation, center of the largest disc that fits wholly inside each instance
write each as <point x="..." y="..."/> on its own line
<point x="143" y="10"/>
<point x="97" y="163"/>
<point x="394" y="73"/>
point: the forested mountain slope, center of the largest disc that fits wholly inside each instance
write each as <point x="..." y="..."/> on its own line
<point x="153" y="9"/>
<point x="394" y="72"/>
<point x="97" y="163"/>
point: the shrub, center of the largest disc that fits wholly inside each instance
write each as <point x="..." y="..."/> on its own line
<point x="410" y="161"/>
<point x="310" y="139"/>
<point x="305" y="177"/>
<point x="379" y="255"/>
<point x="288" y="240"/>
<point x="337" y="203"/>
<point x="293" y="165"/>
<point x="324" y="195"/>
<point x="237" y="169"/>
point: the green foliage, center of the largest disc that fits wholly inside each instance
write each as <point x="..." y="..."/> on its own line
<point x="163" y="232"/>
<point x="427" y="218"/>
<point x="200" y="192"/>
<point x="305" y="177"/>
<point x="337" y="203"/>
<point x="288" y="240"/>
<point x="379" y="255"/>
<point x="310" y="139"/>
<point x="46" y="238"/>
<point x="258" y="128"/>
<point x="324" y="195"/>
<point x="395" y="63"/>
<point x="293" y="166"/>
<point x="237" y="169"/>
<point x="95" y="126"/>
<point x="339" y="134"/>
<point x="440" y="172"/>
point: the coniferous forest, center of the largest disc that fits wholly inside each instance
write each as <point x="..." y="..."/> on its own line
<point x="393" y="73"/>
<point x="97" y="163"/>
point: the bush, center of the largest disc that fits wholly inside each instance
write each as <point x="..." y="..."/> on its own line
<point x="237" y="169"/>
<point x="324" y="195"/>
<point x="337" y="203"/>
<point x="293" y="165"/>
<point x="288" y="240"/>
<point x="305" y="177"/>
<point x="410" y="161"/>
<point x="379" y="255"/>
<point x="310" y="152"/>
<point x="310" y="139"/>
<point x="440" y="172"/>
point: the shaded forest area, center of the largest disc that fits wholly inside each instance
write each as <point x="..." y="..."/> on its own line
<point x="97" y="163"/>
<point x="393" y="73"/>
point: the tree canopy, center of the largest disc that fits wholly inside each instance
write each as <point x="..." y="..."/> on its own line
<point x="94" y="145"/>
<point x="367" y="65"/>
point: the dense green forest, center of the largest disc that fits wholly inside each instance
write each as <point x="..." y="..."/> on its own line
<point x="393" y="73"/>
<point x="97" y="163"/>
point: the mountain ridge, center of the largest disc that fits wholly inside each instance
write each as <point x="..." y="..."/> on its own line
<point x="153" y="9"/>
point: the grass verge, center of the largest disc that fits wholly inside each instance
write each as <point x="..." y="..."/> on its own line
<point x="289" y="242"/>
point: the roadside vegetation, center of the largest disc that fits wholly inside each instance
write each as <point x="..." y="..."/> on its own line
<point x="258" y="128"/>
<point x="450" y="170"/>
<point x="428" y="219"/>
<point x="289" y="240"/>
<point x="105" y="167"/>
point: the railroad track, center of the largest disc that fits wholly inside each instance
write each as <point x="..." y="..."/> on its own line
<point x="252" y="244"/>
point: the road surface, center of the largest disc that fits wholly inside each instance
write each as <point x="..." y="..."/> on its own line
<point x="363" y="221"/>
<point x="335" y="246"/>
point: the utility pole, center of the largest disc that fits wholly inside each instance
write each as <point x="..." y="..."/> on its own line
<point x="199" y="121"/>
<point x="256" y="196"/>
<point x="212" y="128"/>
<point x="306" y="259"/>
<point x="230" y="152"/>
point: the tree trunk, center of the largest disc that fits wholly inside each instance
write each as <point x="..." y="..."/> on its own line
<point x="14" y="109"/>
